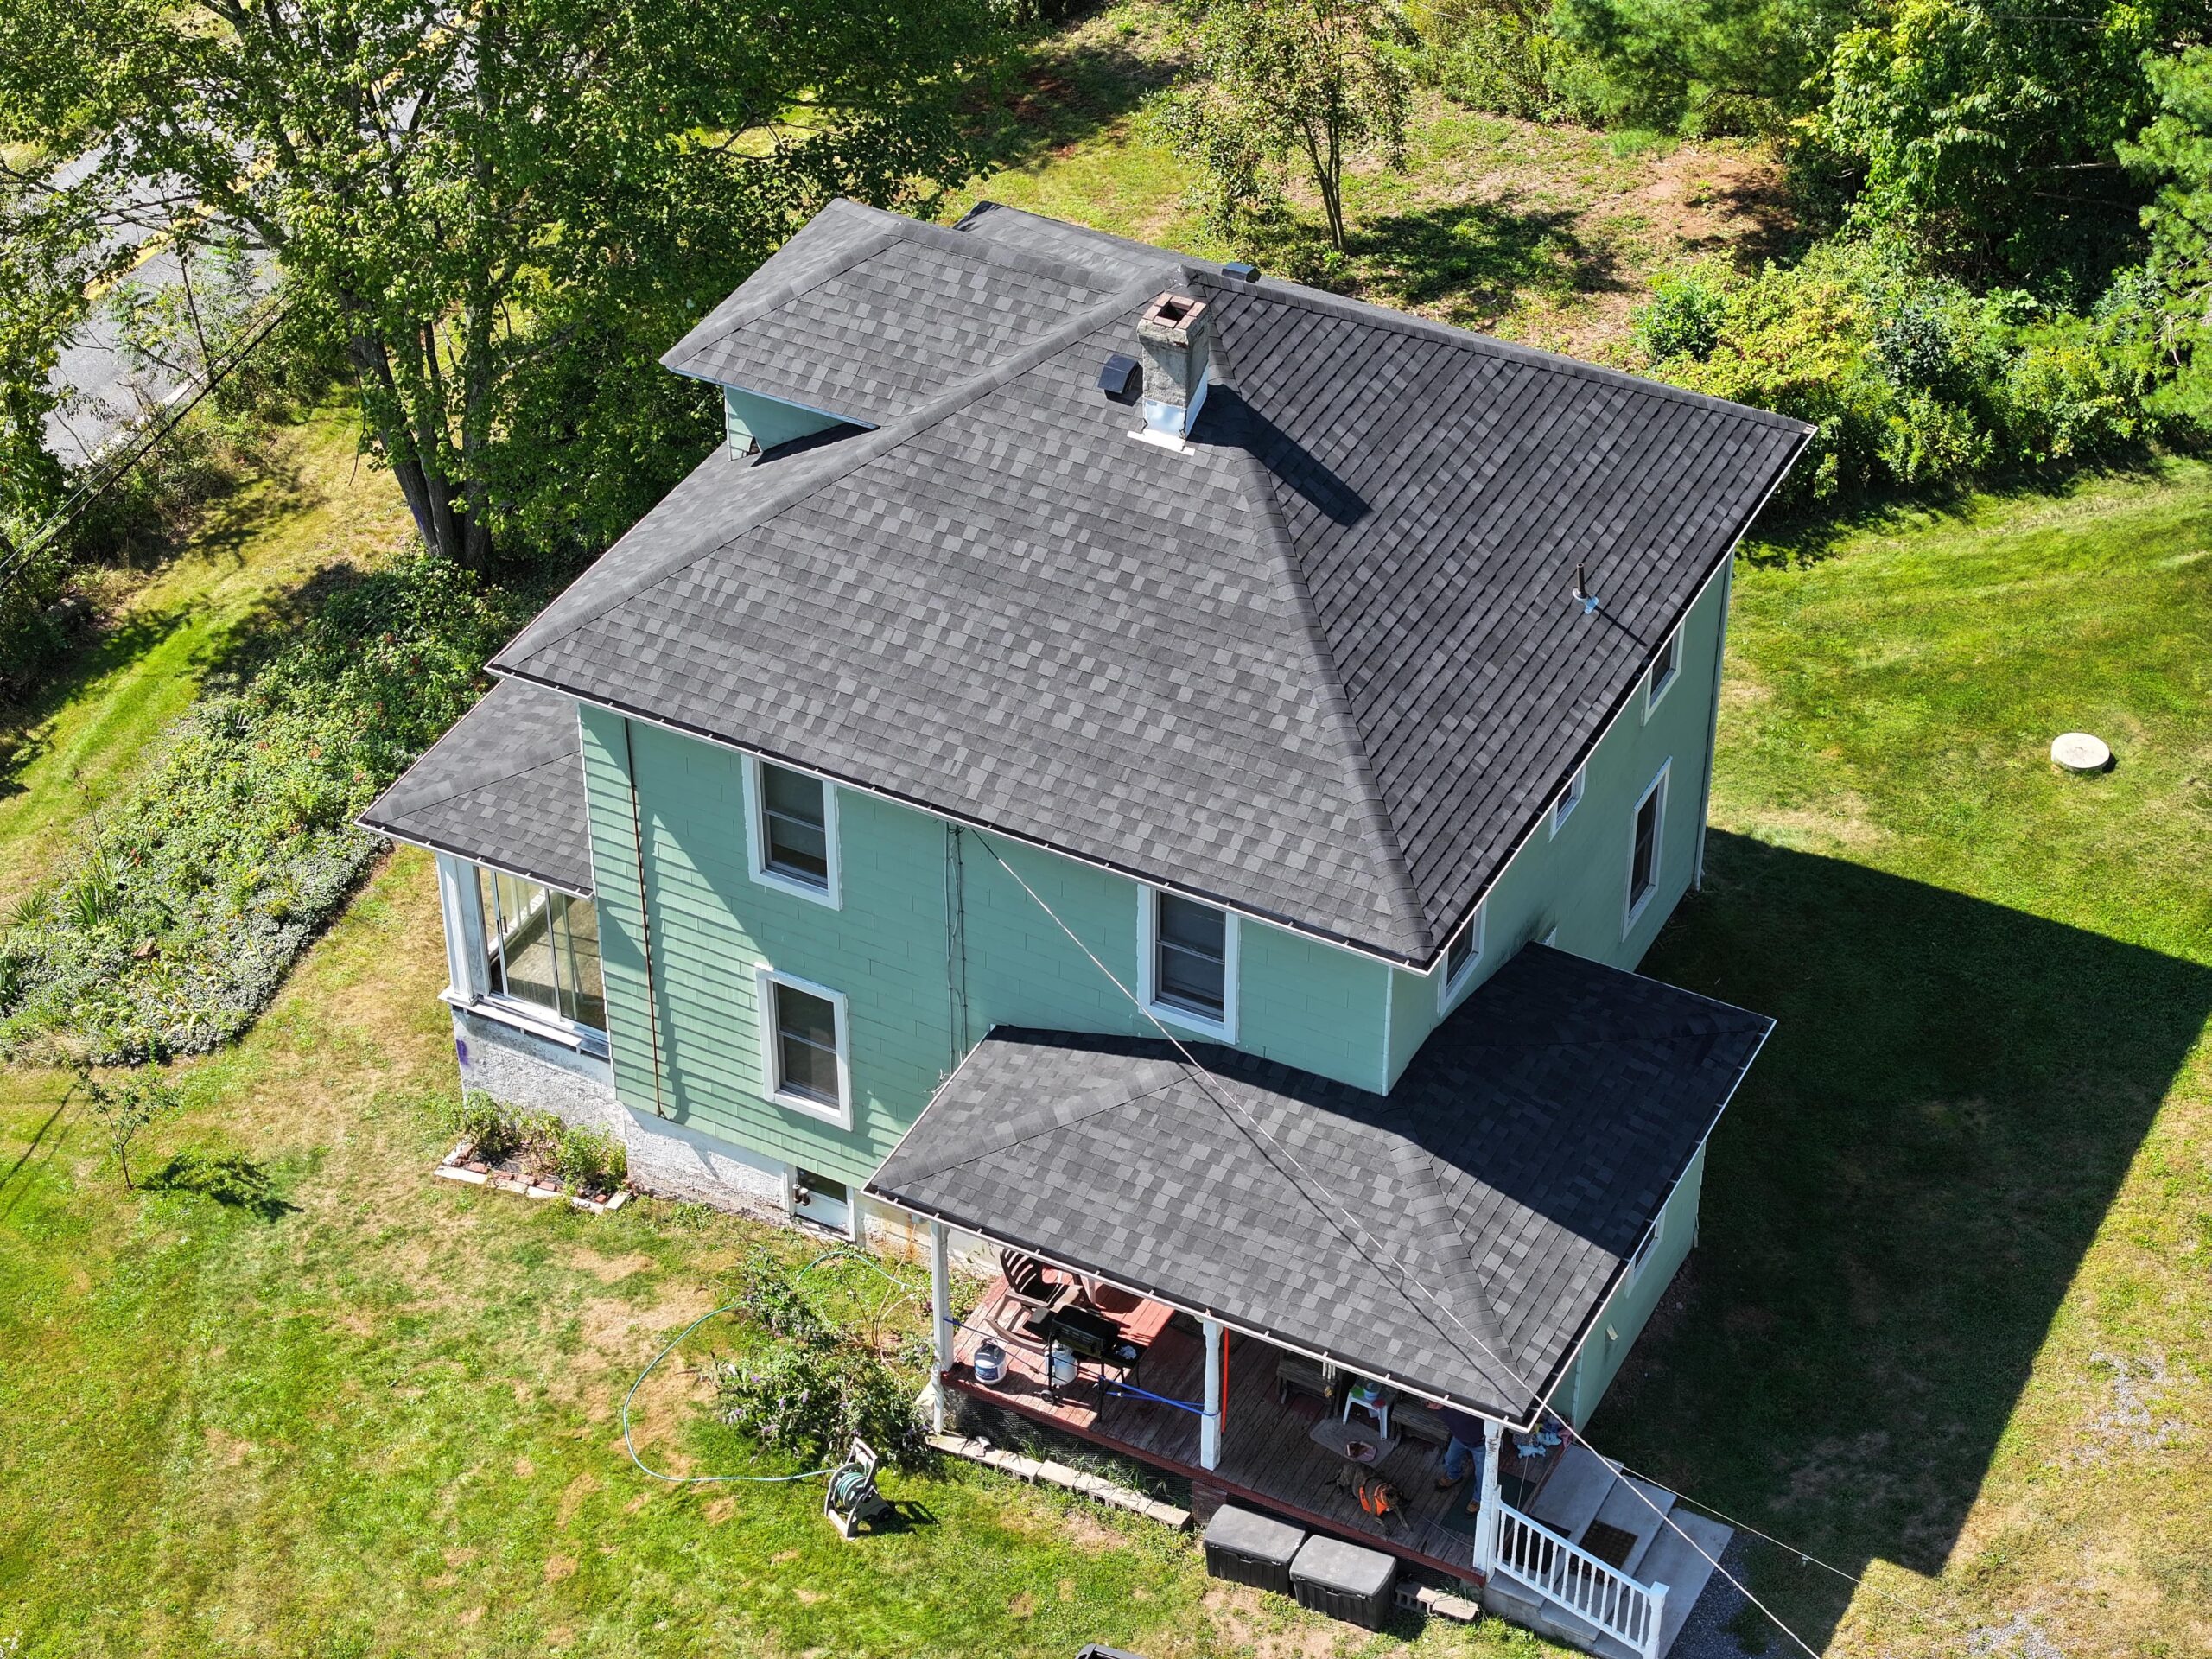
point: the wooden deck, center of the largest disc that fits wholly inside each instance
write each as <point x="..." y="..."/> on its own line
<point x="1267" y="1460"/>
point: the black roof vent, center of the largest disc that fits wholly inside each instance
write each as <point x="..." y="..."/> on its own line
<point x="1117" y="376"/>
<point x="1238" y="271"/>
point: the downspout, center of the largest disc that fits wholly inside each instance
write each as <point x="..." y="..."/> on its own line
<point x="644" y="913"/>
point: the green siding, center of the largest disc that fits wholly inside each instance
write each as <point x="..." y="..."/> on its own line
<point x="749" y="418"/>
<point x="1617" y="1328"/>
<point x="919" y="991"/>
<point x="1577" y="881"/>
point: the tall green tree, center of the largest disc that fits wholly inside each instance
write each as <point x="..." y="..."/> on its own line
<point x="504" y="209"/>
<point x="1987" y="134"/>
<point x="1706" y="66"/>
<point x="1281" y="84"/>
<point x="2175" y="300"/>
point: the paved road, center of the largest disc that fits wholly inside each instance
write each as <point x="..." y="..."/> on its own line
<point x="102" y="394"/>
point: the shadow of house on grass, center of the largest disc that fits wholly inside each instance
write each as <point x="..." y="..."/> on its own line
<point x="1894" y="1205"/>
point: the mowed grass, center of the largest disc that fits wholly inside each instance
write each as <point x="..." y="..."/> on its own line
<point x="313" y="503"/>
<point x="378" y="1418"/>
<point x="1552" y="235"/>
<point x="1947" y="1327"/>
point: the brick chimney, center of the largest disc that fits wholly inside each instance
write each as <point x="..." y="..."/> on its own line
<point x="1175" y="333"/>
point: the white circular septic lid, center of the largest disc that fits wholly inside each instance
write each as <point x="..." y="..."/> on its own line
<point x="2079" y="752"/>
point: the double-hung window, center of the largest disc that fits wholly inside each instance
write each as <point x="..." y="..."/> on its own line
<point x="803" y="1047"/>
<point x="1460" y="957"/>
<point x="793" y="831"/>
<point x="1664" y="667"/>
<point x="1190" y="963"/>
<point x="1645" y="835"/>
<point x="541" y="950"/>
<point x="1569" y="799"/>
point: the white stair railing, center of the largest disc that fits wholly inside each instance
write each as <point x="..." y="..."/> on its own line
<point x="1532" y="1554"/>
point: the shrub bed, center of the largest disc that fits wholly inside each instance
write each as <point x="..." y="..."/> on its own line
<point x="178" y="920"/>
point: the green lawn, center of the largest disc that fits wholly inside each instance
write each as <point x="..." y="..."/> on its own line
<point x="1948" y="1315"/>
<point x="1547" y="235"/>
<point x="312" y="505"/>
<point x="1945" y="1324"/>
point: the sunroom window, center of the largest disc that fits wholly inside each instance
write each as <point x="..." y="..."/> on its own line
<point x="541" y="948"/>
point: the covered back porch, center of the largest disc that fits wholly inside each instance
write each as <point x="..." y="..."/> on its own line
<point x="1205" y="1257"/>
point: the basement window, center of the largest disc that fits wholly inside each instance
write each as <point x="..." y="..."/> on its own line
<point x="793" y="831"/>
<point x="1570" y="798"/>
<point x="803" y="1046"/>
<point x="1188" y="960"/>
<point x="1664" y="667"/>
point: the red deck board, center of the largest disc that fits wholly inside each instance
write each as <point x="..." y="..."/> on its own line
<point x="1267" y="1459"/>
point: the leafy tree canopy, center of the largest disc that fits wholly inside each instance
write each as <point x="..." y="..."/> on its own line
<point x="1281" y="84"/>
<point x="2176" y="149"/>
<point x="502" y="210"/>
<point x="1987" y="135"/>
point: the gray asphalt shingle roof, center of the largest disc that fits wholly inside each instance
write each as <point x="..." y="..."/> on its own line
<point x="504" y="787"/>
<point x="1324" y="664"/>
<point x="1458" y="1235"/>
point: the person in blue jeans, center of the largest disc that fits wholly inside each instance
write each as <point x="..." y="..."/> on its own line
<point x="1465" y="1450"/>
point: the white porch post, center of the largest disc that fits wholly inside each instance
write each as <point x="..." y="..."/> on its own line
<point x="940" y="1316"/>
<point x="1209" y="1425"/>
<point x="1486" y="1517"/>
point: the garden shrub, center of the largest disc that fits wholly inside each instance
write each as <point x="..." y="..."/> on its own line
<point x="1911" y="381"/>
<point x="813" y="1402"/>
<point x="761" y="1287"/>
<point x="808" y="1388"/>
<point x="177" y="921"/>
<point x="581" y="1161"/>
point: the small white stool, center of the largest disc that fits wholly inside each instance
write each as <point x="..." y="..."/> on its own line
<point x="1373" y="1399"/>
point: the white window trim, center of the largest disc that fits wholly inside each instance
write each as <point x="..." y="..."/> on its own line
<point x="1221" y="1031"/>
<point x="1635" y="906"/>
<point x="1653" y="687"/>
<point x="1647" y="1247"/>
<point x="1567" y="799"/>
<point x="852" y="1228"/>
<point x="756" y="838"/>
<point x="1451" y="986"/>
<point x="766" y="979"/>
<point x="467" y="906"/>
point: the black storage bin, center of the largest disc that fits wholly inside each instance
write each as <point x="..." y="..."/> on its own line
<point x="1343" y="1580"/>
<point x="1248" y="1548"/>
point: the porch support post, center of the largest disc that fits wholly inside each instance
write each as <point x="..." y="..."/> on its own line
<point x="1209" y="1425"/>
<point x="1486" y="1517"/>
<point x="940" y="1317"/>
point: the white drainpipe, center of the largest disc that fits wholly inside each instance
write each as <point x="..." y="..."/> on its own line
<point x="940" y="1316"/>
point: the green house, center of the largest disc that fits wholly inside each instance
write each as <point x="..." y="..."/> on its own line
<point x="1156" y="780"/>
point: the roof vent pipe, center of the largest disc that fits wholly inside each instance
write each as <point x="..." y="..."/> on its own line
<point x="1175" y="333"/>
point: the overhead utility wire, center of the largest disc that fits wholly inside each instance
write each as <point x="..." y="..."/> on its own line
<point x="1257" y="1131"/>
<point x="106" y="471"/>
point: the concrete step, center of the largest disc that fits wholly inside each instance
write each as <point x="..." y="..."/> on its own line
<point x="1578" y="1488"/>
<point x="1639" y="1509"/>
<point x="1676" y="1562"/>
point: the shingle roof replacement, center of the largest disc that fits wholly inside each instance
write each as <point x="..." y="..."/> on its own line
<point x="1457" y="1236"/>
<point x="1323" y="664"/>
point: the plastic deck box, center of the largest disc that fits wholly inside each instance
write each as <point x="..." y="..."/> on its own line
<point x="1248" y="1548"/>
<point x="1343" y="1580"/>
